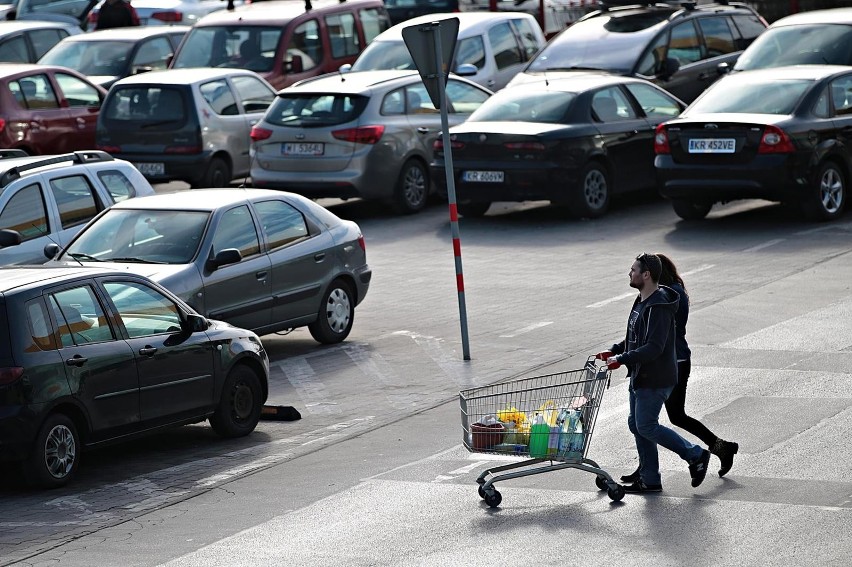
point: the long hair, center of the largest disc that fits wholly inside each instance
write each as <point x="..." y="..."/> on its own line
<point x="669" y="274"/>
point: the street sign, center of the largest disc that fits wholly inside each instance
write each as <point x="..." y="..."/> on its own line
<point x="421" y="40"/>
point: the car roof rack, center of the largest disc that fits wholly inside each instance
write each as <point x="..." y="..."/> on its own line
<point x="87" y="156"/>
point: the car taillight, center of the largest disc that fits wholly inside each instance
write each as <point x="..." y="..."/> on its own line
<point x="109" y="149"/>
<point x="438" y="145"/>
<point x="10" y="374"/>
<point x="2" y="124"/>
<point x="525" y="146"/>
<point x="182" y="150"/>
<point x="361" y="243"/>
<point x="775" y="141"/>
<point x="257" y="133"/>
<point x="170" y="16"/>
<point x="661" y="140"/>
<point x="362" y="135"/>
<point x="93" y="17"/>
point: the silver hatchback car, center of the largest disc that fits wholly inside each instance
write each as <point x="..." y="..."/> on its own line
<point x="360" y="134"/>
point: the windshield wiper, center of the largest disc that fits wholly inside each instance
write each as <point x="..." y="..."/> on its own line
<point x="84" y="256"/>
<point x="132" y="260"/>
<point x="158" y="123"/>
<point x="576" y="68"/>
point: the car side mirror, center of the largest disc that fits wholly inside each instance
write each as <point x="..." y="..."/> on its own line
<point x="723" y="68"/>
<point x="196" y="323"/>
<point x="670" y="67"/>
<point x="224" y="257"/>
<point x="296" y="64"/>
<point x="466" y="70"/>
<point x="345" y="68"/>
<point x="51" y="249"/>
<point x="9" y="237"/>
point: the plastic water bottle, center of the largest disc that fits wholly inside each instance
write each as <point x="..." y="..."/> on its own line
<point x="539" y="436"/>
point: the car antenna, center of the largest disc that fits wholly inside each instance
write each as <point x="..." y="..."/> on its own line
<point x="47" y="234"/>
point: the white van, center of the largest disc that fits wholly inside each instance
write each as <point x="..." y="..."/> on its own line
<point x="492" y="46"/>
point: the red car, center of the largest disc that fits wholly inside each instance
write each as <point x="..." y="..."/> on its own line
<point x="46" y="109"/>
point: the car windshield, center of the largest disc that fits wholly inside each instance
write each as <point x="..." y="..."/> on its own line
<point x="155" y="236"/>
<point x="608" y="43"/>
<point x="384" y="55"/>
<point x="236" y="47"/>
<point x="512" y="106"/>
<point x="818" y="44"/>
<point x="315" y="110"/>
<point x="769" y="96"/>
<point x="90" y="57"/>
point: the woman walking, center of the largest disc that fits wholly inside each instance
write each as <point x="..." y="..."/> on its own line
<point x="675" y="404"/>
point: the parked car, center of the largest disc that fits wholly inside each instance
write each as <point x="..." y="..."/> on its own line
<point x="109" y="55"/>
<point x="558" y="14"/>
<point x="575" y="142"/>
<point x="491" y="47"/>
<point x="90" y="356"/>
<point x="781" y="134"/>
<point x="67" y="11"/>
<point x="402" y="10"/>
<point x="363" y="134"/>
<point x="48" y="199"/>
<point x="46" y="109"/>
<point x="264" y="260"/>
<point x="283" y="41"/>
<point x="190" y="125"/>
<point x="169" y="12"/>
<point x="678" y="48"/>
<point x="819" y="37"/>
<point x="26" y="41"/>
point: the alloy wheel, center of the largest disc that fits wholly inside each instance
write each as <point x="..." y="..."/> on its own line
<point x="595" y="189"/>
<point x="831" y="190"/>
<point x="414" y="186"/>
<point x="60" y="451"/>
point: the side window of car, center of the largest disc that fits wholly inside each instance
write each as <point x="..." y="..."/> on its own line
<point x="143" y="310"/>
<point x="219" y="96"/>
<point x="463" y="97"/>
<point x="307" y="44"/>
<point x="749" y="26"/>
<point x="652" y="61"/>
<point x="342" y="35"/>
<point x="684" y="45"/>
<point x="393" y="103"/>
<point x="236" y="230"/>
<point x="504" y="46"/>
<point x="152" y="54"/>
<point x="80" y="317"/>
<point x="527" y="37"/>
<point x="718" y="39"/>
<point x="43" y="40"/>
<point x="418" y="101"/>
<point x="654" y="103"/>
<point x="821" y="109"/>
<point x="14" y="50"/>
<point x="610" y="105"/>
<point x="119" y="186"/>
<point x="373" y="22"/>
<point x="841" y="96"/>
<point x="41" y="331"/>
<point x="281" y="223"/>
<point x="471" y="50"/>
<point x="37" y="92"/>
<point x="255" y="96"/>
<point x="76" y="200"/>
<point x="26" y="213"/>
<point x="76" y="92"/>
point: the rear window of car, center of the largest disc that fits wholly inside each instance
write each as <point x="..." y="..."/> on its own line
<point x="315" y="110"/>
<point x="149" y="106"/>
<point x="817" y="44"/>
<point x="545" y="107"/>
<point x="236" y="47"/>
<point x="752" y="97"/>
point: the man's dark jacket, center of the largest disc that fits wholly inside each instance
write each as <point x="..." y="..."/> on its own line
<point x="653" y="362"/>
<point x="119" y="14"/>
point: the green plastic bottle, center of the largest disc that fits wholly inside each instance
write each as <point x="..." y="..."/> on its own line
<point x="539" y="437"/>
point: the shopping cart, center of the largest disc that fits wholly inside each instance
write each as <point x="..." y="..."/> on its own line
<point x="546" y="418"/>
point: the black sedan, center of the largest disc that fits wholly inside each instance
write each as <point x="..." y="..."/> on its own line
<point x="91" y="356"/>
<point x="575" y="141"/>
<point x="783" y="134"/>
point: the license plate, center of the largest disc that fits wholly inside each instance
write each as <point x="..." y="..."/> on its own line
<point x="303" y="149"/>
<point x="712" y="146"/>
<point x="483" y="176"/>
<point x="148" y="168"/>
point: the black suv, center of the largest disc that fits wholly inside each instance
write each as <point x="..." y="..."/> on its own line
<point x="682" y="47"/>
<point x="90" y="356"/>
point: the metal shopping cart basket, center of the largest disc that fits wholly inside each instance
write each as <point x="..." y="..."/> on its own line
<point x="546" y="418"/>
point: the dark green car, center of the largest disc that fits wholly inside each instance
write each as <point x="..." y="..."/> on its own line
<point x="90" y="356"/>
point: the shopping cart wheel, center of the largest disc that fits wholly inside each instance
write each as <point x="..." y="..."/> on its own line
<point x="615" y="494"/>
<point x="601" y="483"/>
<point x="481" y="491"/>
<point x="493" y="499"/>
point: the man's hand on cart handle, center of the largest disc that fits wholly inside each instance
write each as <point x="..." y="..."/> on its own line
<point x="604" y="355"/>
<point x="612" y="363"/>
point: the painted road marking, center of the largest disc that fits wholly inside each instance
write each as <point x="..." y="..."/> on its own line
<point x="527" y="329"/>
<point x="765" y="245"/>
<point x="611" y="300"/>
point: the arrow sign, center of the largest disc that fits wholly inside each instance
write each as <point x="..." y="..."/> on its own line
<point x="421" y="42"/>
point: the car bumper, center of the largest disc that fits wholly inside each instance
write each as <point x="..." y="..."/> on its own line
<point x="189" y="168"/>
<point x="363" y="276"/>
<point x="771" y="177"/>
<point x="17" y="431"/>
<point x="528" y="183"/>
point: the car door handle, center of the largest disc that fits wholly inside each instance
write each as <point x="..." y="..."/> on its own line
<point x="423" y="130"/>
<point x="81" y="122"/>
<point x="147" y="350"/>
<point x="261" y="275"/>
<point x="77" y="361"/>
<point x="319" y="257"/>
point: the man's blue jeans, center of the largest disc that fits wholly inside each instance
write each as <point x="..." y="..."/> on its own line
<point x="644" y="424"/>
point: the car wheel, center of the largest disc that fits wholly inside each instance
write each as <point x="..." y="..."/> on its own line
<point x="592" y="199"/>
<point x="218" y="174"/>
<point x="239" y="407"/>
<point x="687" y="210"/>
<point x="412" y="188"/>
<point x="336" y="314"/>
<point x="56" y="452"/>
<point x="473" y="210"/>
<point x="827" y="196"/>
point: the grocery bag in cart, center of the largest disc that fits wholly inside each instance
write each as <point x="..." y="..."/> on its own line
<point x="546" y="418"/>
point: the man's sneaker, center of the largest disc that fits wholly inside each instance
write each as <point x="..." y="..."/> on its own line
<point x="632" y="477"/>
<point x="639" y="486"/>
<point x="698" y="468"/>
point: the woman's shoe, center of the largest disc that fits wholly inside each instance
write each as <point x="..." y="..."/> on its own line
<point x="725" y="450"/>
<point x="632" y="477"/>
